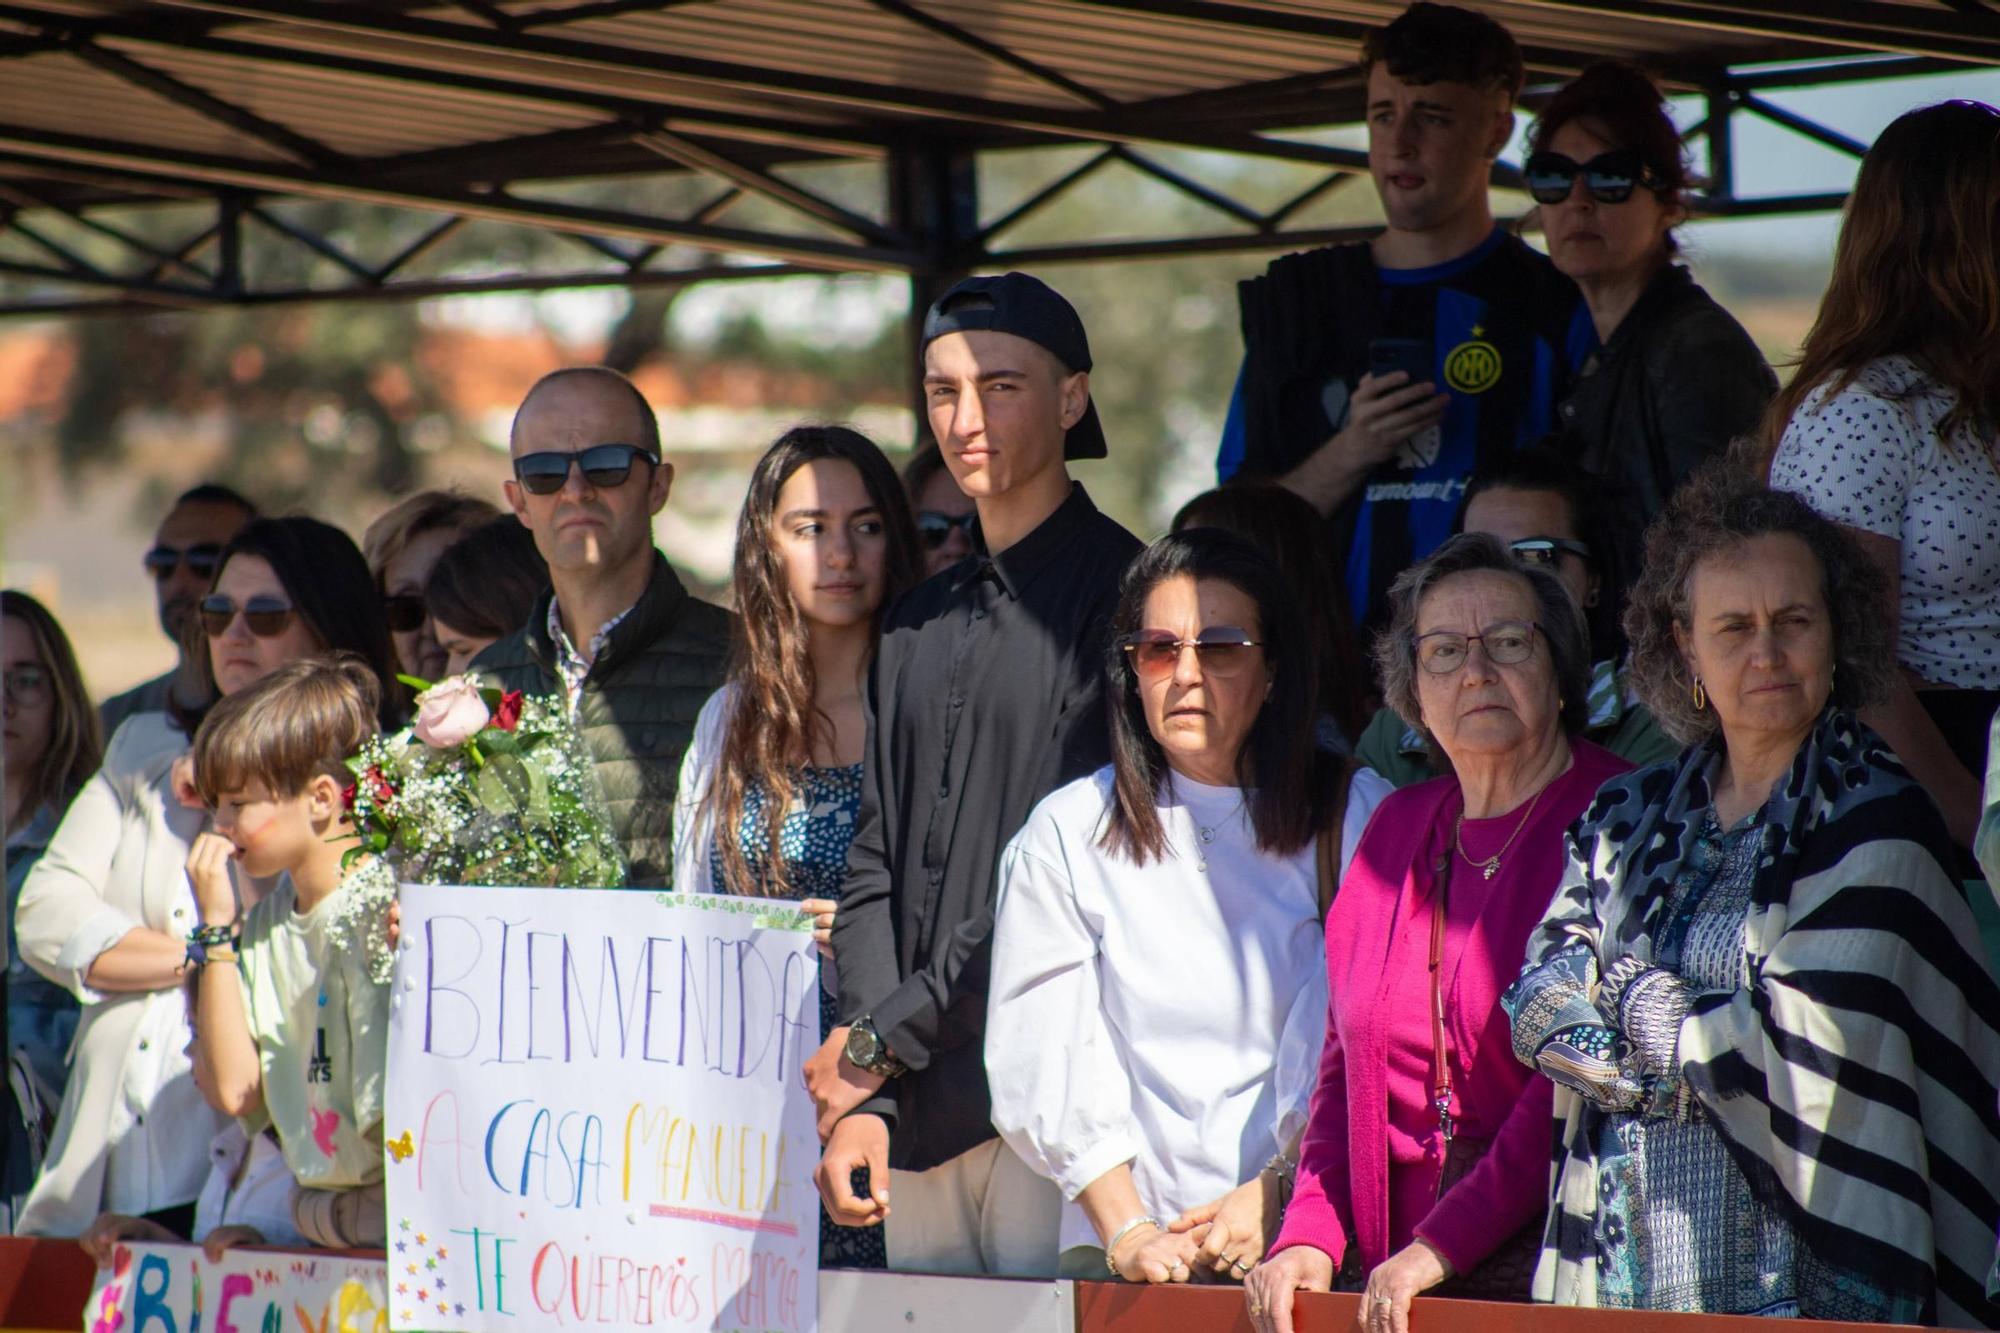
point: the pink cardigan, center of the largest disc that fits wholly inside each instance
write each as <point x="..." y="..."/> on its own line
<point x="1344" y="1183"/>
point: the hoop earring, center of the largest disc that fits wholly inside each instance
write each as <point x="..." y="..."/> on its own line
<point x="1700" y="696"/>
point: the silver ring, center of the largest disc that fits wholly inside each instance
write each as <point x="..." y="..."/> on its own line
<point x="1240" y="1266"/>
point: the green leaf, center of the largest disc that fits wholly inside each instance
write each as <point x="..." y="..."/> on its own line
<point x="415" y="682"/>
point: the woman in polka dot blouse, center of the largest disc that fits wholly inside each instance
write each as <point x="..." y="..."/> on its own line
<point x="1891" y="427"/>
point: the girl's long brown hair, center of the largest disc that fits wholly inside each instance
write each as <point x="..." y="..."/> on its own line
<point x="773" y="722"/>
<point x="76" y="741"/>
<point x="1917" y="269"/>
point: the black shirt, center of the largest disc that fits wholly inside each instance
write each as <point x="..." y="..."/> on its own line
<point x="986" y="694"/>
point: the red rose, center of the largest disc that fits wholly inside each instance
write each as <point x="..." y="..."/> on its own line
<point x="508" y="715"/>
<point x="379" y="786"/>
<point x="347" y="797"/>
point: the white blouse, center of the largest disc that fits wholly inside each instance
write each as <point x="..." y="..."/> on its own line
<point x="1874" y="456"/>
<point x="1168" y="1016"/>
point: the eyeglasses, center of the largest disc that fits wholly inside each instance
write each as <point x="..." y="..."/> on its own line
<point x="1547" y="552"/>
<point x="1609" y="177"/>
<point x="201" y="558"/>
<point x="405" y="612"/>
<point x="1222" y="650"/>
<point x="1444" y="651"/>
<point x="936" y="528"/>
<point x="27" y="686"/>
<point x="267" y="617"/>
<point x="603" y="465"/>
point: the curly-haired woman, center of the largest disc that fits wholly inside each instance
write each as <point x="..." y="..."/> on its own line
<point x="1759" y="990"/>
<point x="771" y="784"/>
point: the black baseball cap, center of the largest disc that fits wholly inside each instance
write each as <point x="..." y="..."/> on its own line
<point x="1028" y="308"/>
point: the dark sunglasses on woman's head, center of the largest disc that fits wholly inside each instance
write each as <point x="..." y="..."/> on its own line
<point x="267" y="617"/>
<point x="1609" y="177"/>
<point x="603" y="465"/>
<point x="1221" y="649"/>
<point x="200" y="558"/>
<point x="405" y="612"/>
<point x="935" y="528"/>
<point x="1547" y="552"/>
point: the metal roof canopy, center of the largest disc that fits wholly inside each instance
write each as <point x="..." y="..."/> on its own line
<point x="562" y="117"/>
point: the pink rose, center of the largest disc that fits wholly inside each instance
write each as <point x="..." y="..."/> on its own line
<point x="450" y="713"/>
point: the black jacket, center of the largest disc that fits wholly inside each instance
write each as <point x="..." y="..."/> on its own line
<point x="640" y="701"/>
<point x="1678" y="380"/>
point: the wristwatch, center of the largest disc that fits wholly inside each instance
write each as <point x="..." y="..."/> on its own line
<point x="866" y="1050"/>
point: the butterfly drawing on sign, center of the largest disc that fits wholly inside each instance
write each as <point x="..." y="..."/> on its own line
<point x="401" y="1148"/>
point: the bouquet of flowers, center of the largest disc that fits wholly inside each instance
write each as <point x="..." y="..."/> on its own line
<point x="485" y="787"/>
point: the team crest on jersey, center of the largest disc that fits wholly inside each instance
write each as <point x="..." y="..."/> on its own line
<point x="1474" y="365"/>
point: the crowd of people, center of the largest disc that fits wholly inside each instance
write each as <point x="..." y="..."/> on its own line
<point x="1514" y="838"/>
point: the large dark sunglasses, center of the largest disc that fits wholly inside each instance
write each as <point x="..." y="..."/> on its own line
<point x="267" y="617"/>
<point x="1609" y="177"/>
<point x="405" y="612"/>
<point x="603" y="465"/>
<point x="1547" y="552"/>
<point x="201" y="559"/>
<point x="936" y="528"/>
<point x="1222" y="650"/>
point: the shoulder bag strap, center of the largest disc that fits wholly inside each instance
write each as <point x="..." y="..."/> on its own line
<point x="1326" y="851"/>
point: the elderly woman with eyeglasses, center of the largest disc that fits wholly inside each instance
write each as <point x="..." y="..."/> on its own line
<point x="1158" y="989"/>
<point x="106" y="912"/>
<point x="1426" y="1154"/>
<point x="1760" y="990"/>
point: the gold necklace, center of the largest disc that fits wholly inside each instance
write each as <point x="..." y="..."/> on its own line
<point x="1491" y="865"/>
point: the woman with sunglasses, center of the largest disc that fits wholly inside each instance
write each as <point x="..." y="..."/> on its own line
<point x="1675" y="378"/>
<point x="944" y="513"/>
<point x="107" y="910"/>
<point x="52" y="747"/>
<point x="402" y="546"/>
<point x="1427" y="1155"/>
<point x="1158" y="991"/>
<point x="823" y="545"/>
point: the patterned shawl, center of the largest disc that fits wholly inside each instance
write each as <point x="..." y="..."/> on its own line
<point x="1852" y="1072"/>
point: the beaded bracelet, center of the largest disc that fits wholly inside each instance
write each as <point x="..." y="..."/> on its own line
<point x="212" y="935"/>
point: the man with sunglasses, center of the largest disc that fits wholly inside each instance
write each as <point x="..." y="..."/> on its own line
<point x="985" y="695"/>
<point x="617" y="635"/>
<point x="1378" y="376"/>
<point x="182" y="564"/>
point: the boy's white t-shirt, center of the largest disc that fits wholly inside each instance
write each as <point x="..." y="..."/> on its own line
<point x="321" y="1025"/>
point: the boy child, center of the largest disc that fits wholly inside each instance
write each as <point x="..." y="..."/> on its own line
<point x="301" y="1043"/>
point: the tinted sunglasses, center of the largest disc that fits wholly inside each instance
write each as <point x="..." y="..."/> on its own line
<point x="405" y="612"/>
<point x="267" y="617"/>
<point x="603" y="465"/>
<point x="1609" y="177"/>
<point x="1547" y="552"/>
<point x="936" y="528"/>
<point x="201" y="559"/>
<point x="1222" y="650"/>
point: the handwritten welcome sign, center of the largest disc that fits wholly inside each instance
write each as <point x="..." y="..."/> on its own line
<point x="595" y="1112"/>
<point x="153" y="1288"/>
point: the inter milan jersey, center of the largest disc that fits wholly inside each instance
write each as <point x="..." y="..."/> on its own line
<point x="1504" y="328"/>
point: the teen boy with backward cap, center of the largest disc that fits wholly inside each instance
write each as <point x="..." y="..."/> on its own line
<point x="985" y="695"/>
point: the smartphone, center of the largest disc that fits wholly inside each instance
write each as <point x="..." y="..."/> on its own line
<point x="1412" y="356"/>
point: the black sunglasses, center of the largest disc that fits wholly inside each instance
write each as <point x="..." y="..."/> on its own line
<point x="936" y="528"/>
<point x="1610" y="177"/>
<point x="603" y="465"/>
<point x="201" y="559"/>
<point x="405" y="612"/>
<point x="267" y="617"/>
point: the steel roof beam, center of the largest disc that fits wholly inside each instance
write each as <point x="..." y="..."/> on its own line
<point x="851" y="93"/>
<point x="676" y="148"/>
<point x="286" y="140"/>
<point x="993" y="50"/>
<point x="1909" y="29"/>
<point x="553" y="216"/>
